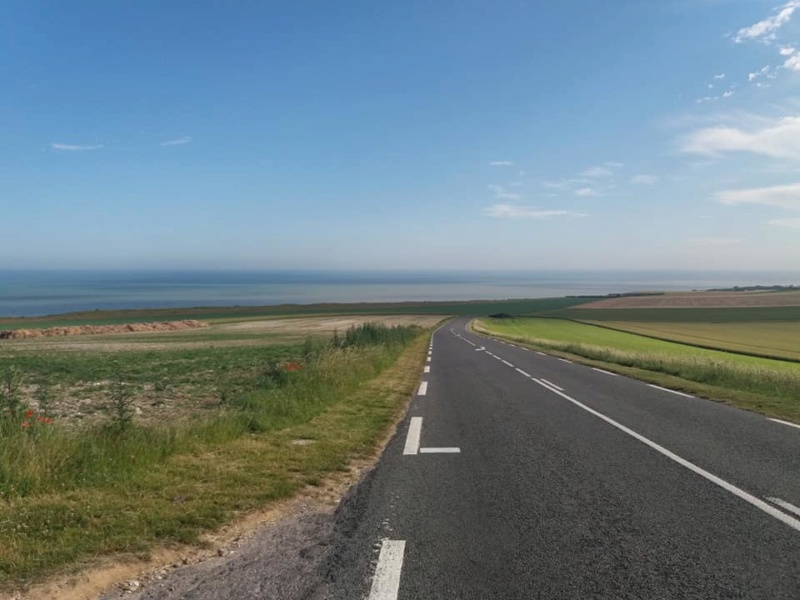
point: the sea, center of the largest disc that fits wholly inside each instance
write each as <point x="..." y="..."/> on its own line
<point x="36" y="293"/>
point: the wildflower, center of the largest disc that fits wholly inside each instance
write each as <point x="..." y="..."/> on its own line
<point x="26" y="424"/>
<point x="28" y="413"/>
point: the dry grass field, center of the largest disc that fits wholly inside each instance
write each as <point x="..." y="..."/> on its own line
<point x="701" y="300"/>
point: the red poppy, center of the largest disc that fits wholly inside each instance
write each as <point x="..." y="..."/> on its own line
<point x="29" y="413"/>
<point x="26" y="424"/>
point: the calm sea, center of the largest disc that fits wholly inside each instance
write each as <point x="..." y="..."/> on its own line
<point x="33" y="293"/>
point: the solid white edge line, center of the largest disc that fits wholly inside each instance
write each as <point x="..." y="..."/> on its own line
<point x="440" y="450"/>
<point x="785" y="423"/>
<point x="551" y="384"/>
<point x="663" y="389"/>
<point x="521" y="372"/>
<point x="758" y="503"/>
<point x="602" y="371"/>
<point x="386" y="583"/>
<point x="787" y="505"/>
<point x="412" y="439"/>
<point x="565" y="360"/>
<point x="505" y="362"/>
<point x="427" y="369"/>
<point x="540" y="353"/>
<point x="423" y="389"/>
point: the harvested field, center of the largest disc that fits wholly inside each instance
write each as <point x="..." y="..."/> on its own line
<point x="311" y="325"/>
<point x="228" y="334"/>
<point x="701" y="300"/>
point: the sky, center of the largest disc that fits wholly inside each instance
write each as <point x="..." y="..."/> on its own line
<point x="424" y="134"/>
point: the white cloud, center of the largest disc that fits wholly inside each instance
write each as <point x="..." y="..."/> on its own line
<point x="72" y="147"/>
<point x="793" y="63"/>
<point x="720" y="76"/>
<point x="614" y="164"/>
<point x="597" y="172"/>
<point x="791" y="223"/>
<point x="586" y="192"/>
<point x="178" y="142"/>
<point x="502" y="163"/>
<point x="728" y="93"/>
<point x="766" y="71"/>
<point x="645" y="179"/>
<point x="765" y="30"/>
<point x="780" y="196"/>
<point x="501" y="193"/>
<point x="516" y="211"/>
<point x="777" y="139"/>
<point x="788" y="51"/>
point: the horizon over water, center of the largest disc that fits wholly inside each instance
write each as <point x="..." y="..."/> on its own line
<point x="28" y="293"/>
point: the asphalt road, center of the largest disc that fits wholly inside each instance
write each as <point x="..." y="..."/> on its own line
<point x="518" y="475"/>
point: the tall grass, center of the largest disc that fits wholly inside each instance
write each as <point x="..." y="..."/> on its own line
<point x="40" y="457"/>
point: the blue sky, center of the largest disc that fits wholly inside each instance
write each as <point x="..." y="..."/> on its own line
<point x="400" y="135"/>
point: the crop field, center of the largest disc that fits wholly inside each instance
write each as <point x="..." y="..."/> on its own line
<point x="770" y="386"/>
<point x="130" y="442"/>
<point x="768" y="339"/>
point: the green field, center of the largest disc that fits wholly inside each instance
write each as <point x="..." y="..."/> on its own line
<point x="771" y="339"/>
<point x="116" y="317"/>
<point x="769" y="386"/>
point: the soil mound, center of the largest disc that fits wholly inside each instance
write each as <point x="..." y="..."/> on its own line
<point x="98" y="329"/>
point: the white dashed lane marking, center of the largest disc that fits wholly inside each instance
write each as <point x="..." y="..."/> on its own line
<point x="412" y="438"/>
<point x="386" y="583"/>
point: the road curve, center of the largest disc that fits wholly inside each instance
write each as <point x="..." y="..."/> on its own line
<point x="519" y="475"/>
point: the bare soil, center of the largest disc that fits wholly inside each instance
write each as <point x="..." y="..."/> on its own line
<point x="701" y="300"/>
<point x="12" y="334"/>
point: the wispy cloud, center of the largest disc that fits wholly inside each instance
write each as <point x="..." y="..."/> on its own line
<point x="766" y="29"/>
<point x="502" y="193"/>
<point x="614" y="164"/>
<point x="586" y="192"/>
<point x="774" y="138"/>
<point x="720" y="76"/>
<point x="595" y="172"/>
<point x="779" y="196"/>
<point x="502" y="163"/>
<point x="177" y="142"/>
<point x="645" y="179"/>
<point x="73" y="147"/>
<point x="516" y="211"/>
<point x="790" y="223"/>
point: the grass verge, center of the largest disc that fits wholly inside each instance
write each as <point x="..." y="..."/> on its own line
<point x="769" y="387"/>
<point x="168" y="485"/>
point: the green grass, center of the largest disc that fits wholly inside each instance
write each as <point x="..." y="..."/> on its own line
<point x="67" y="495"/>
<point x="769" y="339"/>
<point x="477" y="307"/>
<point x="766" y="385"/>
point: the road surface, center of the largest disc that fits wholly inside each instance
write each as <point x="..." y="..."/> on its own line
<point x="520" y="475"/>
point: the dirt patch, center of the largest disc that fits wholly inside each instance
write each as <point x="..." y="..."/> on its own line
<point x="14" y="334"/>
<point x="310" y="325"/>
<point x="701" y="300"/>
